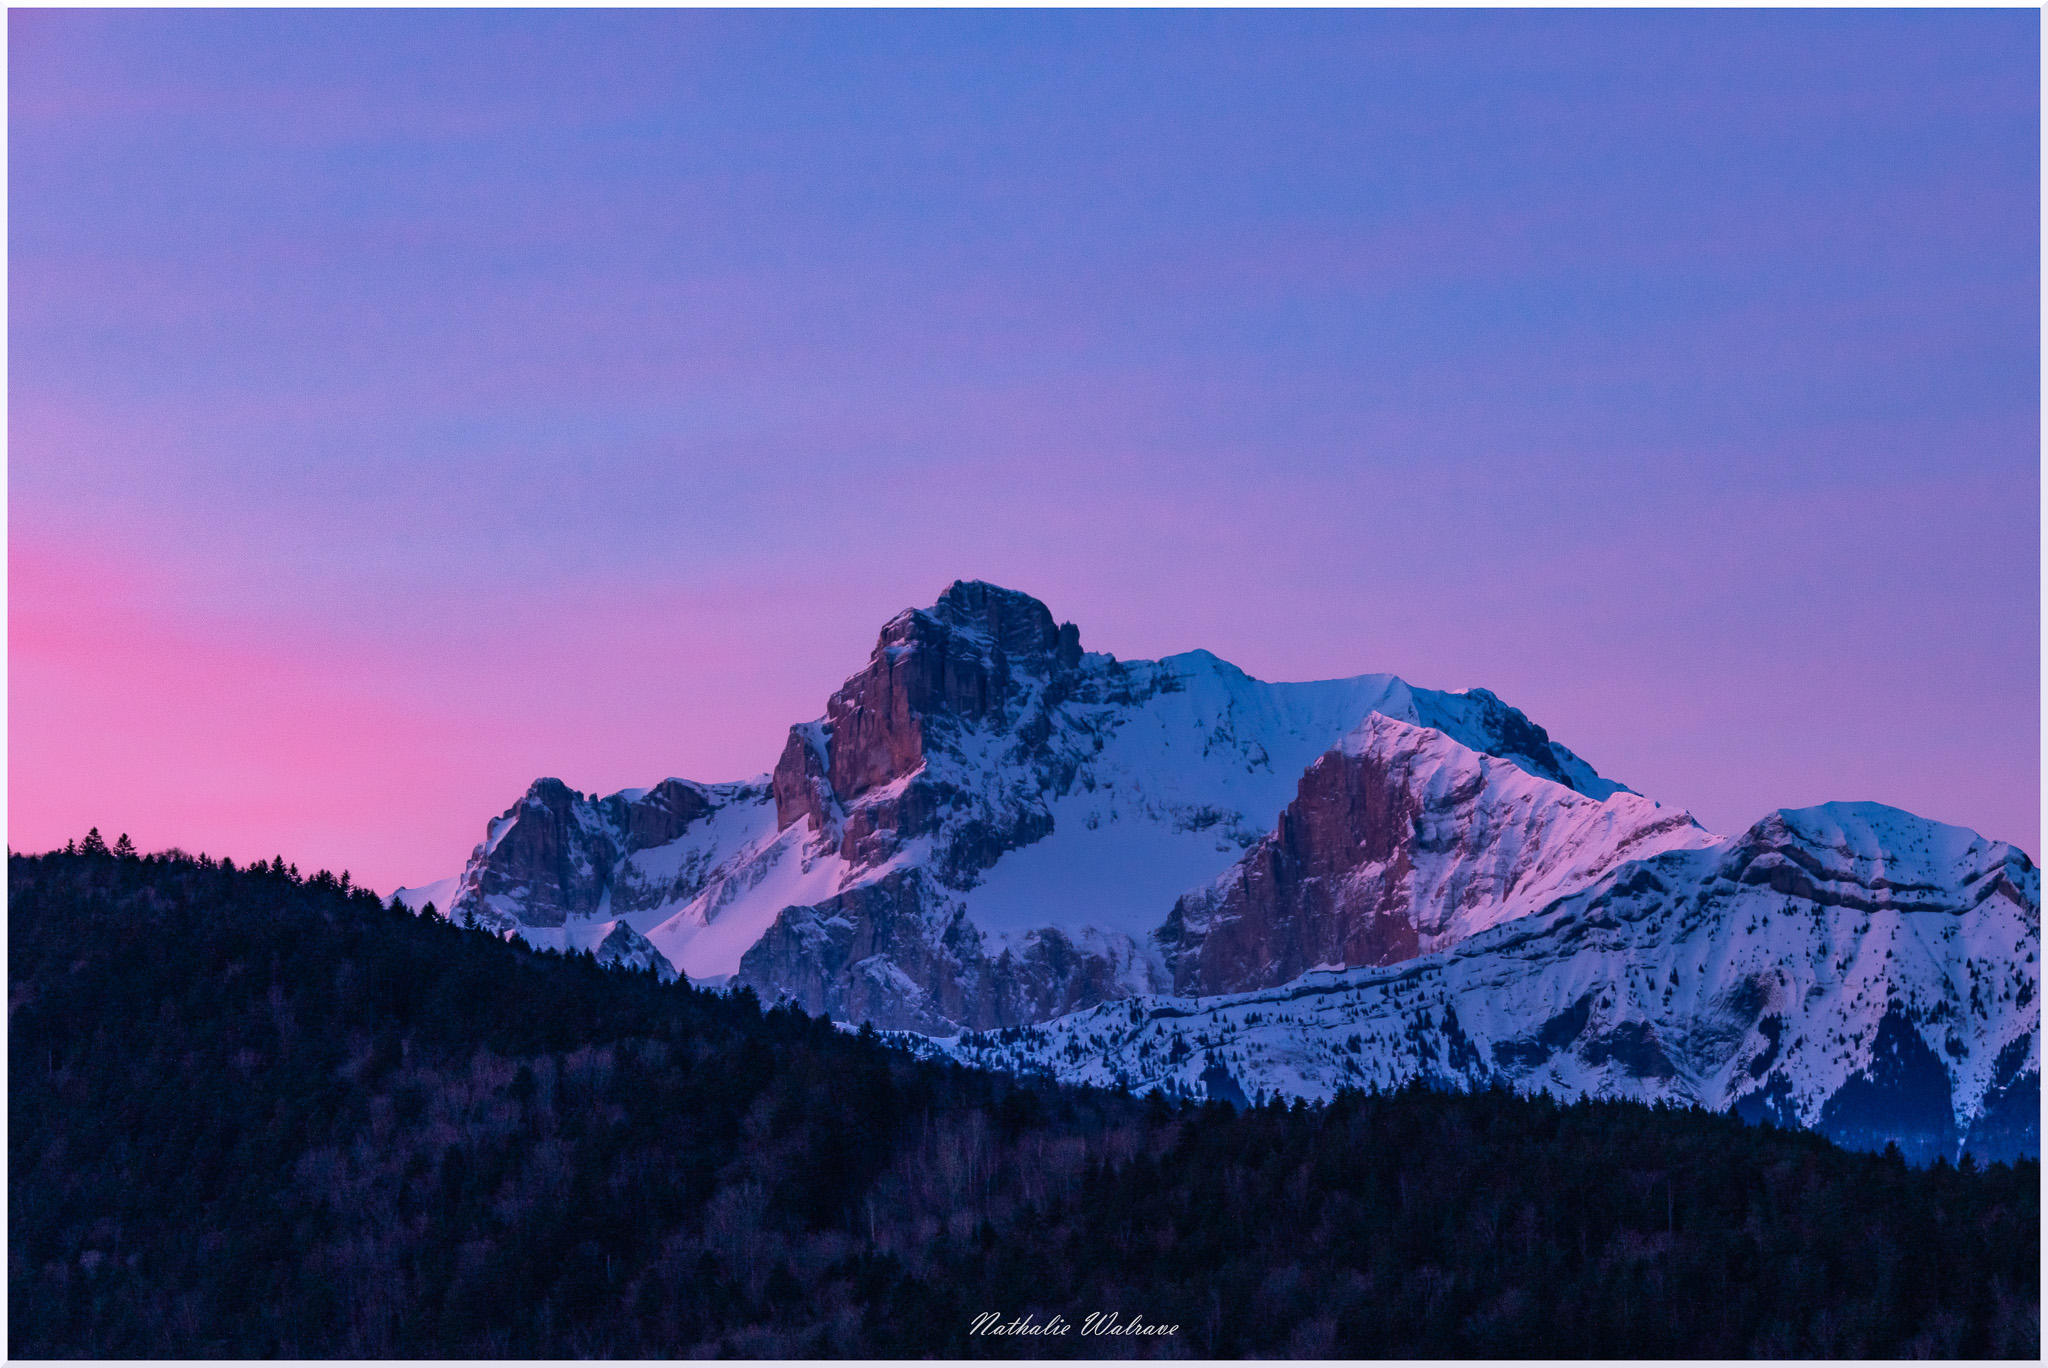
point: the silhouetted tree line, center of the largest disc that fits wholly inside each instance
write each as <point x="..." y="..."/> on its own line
<point x="259" y="1115"/>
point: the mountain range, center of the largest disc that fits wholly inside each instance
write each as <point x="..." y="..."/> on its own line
<point x="1169" y="874"/>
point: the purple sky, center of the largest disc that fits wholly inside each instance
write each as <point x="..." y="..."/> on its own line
<point x="408" y="404"/>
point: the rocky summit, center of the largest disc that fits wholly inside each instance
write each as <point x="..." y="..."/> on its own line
<point x="1039" y="856"/>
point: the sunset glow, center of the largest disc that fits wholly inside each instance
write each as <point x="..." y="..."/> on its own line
<point x="407" y="405"/>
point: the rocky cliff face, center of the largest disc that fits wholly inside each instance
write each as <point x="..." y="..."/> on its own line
<point x="1850" y="968"/>
<point x="967" y="669"/>
<point x="1401" y="841"/>
<point x="567" y="870"/>
<point x="556" y="855"/>
<point x="945" y="669"/>
<point x="549" y="857"/>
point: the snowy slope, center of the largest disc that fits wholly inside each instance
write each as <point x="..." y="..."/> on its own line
<point x="709" y="935"/>
<point x="1848" y="967"/>
<point x="1187" y="778"/>
<point x="1399" y="841"/>
<point x="440" y="895"/>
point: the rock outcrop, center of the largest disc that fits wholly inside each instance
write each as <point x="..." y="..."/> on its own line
<point x="557" y="855"/>
<point x="971" y="664"/>
<point x="1401" y="841"/>
<point x="567" y="870"/>
<point x="894" y="953"/>
<point x="550" y="860"/>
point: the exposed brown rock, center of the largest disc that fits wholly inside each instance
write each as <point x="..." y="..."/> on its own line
<point x="967" y="724"/>
<point x="544" y="860"/>
<point x="952" y="662"/>
<point x="663" y="813"/>
<point x="1292" y="907"/>
<point x="1401" y="840"/>
<point x="932" y="673"/>
<point x="802" y="791"/>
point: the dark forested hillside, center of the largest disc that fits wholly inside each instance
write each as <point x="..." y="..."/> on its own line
<point x="253" y="1115"/>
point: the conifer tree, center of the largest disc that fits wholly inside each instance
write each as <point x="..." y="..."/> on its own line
<point x="124" y="847"/>
<point x="95" y="844"/>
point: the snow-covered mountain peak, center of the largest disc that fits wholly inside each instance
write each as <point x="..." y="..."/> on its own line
<point x="1040" y="798"/>
<point x="1004" y="797"/>
<point x="1185" y="664"/>
<point x="1867" y="855"/>
<point x="573" y="866"/>
<point x="1886" y="842"/>
<point x="1004" y="619"/>
<point x="1444" y="770"/>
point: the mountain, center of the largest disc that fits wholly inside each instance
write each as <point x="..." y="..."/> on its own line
<point x="1849" y="968"/>
<point x="987" y="826"/>
<point x="992" y="830"/>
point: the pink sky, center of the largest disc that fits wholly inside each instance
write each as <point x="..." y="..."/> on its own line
<point x="405" y="406"/>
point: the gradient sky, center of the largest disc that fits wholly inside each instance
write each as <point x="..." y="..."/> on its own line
<point x="405" y="405"/>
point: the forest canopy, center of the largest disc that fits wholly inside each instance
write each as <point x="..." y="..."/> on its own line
<point x="255" y="1114"/>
